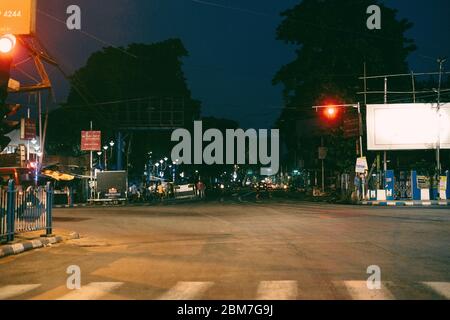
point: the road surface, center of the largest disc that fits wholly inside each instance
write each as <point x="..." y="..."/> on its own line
<point x="271" y="249"/>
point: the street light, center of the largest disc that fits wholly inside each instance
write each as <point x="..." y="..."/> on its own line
<point x="7" y="43"/>
<point x="106" y="159"/>
<point x="112" y="144"/>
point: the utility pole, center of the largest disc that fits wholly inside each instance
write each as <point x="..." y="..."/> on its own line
<point x="323" y="168"/>
<point x="91" y="188"/>
<point x="441" y="62"/>
<point x="385" y="102"/>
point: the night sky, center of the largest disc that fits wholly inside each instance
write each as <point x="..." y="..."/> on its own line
<point x="232" y="46"/>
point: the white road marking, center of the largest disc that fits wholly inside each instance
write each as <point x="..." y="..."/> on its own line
<point x="187" y="291"/>
<point x="358" y="290"/>
<point x="277" y="290"/>
<point x="12" y="291"/>
<point x="443" y="288"/>
<point x="93" y="291"/>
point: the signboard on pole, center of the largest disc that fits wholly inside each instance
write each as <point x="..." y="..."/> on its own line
<point x="17" y="17"/>
<point x="361" y="165"/>
<point x="351" y="127"/>
<point x="323" y="152"/>
<point x="91" y="140"/>
<point x="27" y="129"/>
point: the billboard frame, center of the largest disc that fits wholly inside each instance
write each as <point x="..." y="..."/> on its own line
<point x="375" y="143"/>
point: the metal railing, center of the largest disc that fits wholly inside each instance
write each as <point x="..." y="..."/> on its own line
<point x="25" y="210"/>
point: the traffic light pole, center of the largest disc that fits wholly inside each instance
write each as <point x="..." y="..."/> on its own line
<point x="361" y="131"/>
<point x="361" y="149"/>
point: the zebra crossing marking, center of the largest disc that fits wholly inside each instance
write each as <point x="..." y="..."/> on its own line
<point x="358" y="290"/>
<point x="277" y="290"/>
<point x="266" y="290"/>
<point x="92" y="291"/>
<point x="186" y="291"/>
<point x="11" y="291"/>
<point x="443" y="288"/>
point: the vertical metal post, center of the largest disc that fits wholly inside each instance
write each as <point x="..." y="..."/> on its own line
<point x="10" y="211"/>
<point x="385" y="102"/>
<point x="40" y="123"/>
<point x="361" y="131"/>
<point x="28" y="141"/>
<point x="91" y="169"/>
<point x="365" y="84"/>
<point x="48" y="209"/>
<point x="413" y="86"/>
<point x="438" y="147"/>
<point x="323" y="170"/>
<point x="119" y="151"/>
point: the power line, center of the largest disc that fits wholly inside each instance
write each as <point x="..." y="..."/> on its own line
<point x="312" y="24"/>
<point x="90" y="35"/>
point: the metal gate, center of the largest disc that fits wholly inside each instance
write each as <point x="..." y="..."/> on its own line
<point x="25" y="210"/>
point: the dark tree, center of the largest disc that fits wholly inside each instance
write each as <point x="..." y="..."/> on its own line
<point x="332" y="44"/>
<point x="125" y="87"/>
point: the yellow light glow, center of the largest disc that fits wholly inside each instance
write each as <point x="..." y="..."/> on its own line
<point x="7" y="43"/>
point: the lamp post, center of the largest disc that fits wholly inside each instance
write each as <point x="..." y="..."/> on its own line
<point x="99" y="154"/>
<point x="112" y="144"/>
<point x="106" y="158"/>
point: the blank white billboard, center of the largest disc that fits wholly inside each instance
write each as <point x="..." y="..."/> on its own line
<point x="415" y="126"/>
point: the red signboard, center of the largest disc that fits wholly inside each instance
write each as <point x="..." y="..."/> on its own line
<point x="91" y="140"/>
<point x="27" y="129"/>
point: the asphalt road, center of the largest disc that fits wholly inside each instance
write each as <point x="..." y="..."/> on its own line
<point x="239" y="250"/>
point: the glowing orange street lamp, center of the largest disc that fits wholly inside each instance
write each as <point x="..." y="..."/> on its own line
<point x="7" y="43"/>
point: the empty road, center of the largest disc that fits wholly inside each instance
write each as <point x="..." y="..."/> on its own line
<point x="273" y="249"/>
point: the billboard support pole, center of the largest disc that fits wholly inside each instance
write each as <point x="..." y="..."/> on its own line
<point x="91" y="186"/>
<point x="441" y="62"/>
<point x="385" y="102"/>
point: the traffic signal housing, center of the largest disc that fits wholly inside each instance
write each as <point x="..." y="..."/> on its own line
<point x="7" y="44"/>
<point x="331" y="112"/>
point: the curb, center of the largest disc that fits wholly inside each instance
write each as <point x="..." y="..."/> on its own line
<point x="434" y="203"/>
<point x="18" y="248"/>
<point x="65" y="206"/>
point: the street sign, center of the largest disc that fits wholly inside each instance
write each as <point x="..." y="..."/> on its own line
<point x="361" y="165"/>
<point x="13" y="85"/>
<point x="351" y="127"/>
<point x="17" y="17"/>
<point x="27" y="129"/>
<point x="423" y="182"/>
<point x="323" y="153"/>
<point x="91" y="140"/>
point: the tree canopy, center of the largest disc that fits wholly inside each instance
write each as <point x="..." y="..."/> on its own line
<point x="119" y="84"/>
<point x="332" y="44"/>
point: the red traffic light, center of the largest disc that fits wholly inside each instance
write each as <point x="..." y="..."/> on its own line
<point x="331" y="112"/>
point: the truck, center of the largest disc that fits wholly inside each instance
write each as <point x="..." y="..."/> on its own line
<point x="112" y="187"/>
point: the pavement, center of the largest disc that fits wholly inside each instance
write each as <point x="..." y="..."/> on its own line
<point x="239" y="249"/>
<point x="24" y="242"/>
